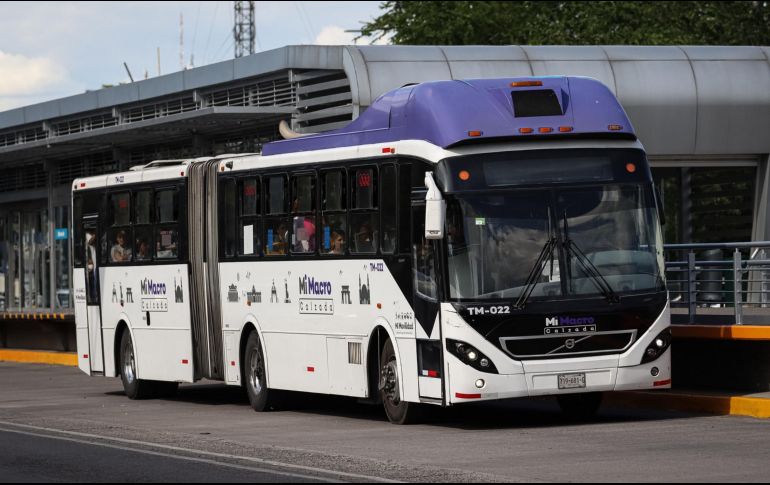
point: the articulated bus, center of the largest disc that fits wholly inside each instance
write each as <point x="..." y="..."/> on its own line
<point x="460" y="241"/>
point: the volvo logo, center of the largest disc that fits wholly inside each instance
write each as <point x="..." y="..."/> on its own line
<point x="570" y="344"/>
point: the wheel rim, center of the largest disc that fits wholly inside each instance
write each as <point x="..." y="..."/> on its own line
<point x="129" y="366"/>
<point x="389" y="382"/>
<point x="255" y="371"/>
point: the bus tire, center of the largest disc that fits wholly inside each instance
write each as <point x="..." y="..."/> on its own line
<point x="255" y="378"/>
<point x="580" y="406"/>
<point x="398" y="411"/>
<point x="134" y="387"/>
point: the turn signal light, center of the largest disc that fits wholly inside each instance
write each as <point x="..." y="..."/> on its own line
<point x="475" y="133"/>
<point x="464" y="175"/>
<point x="526" y="84"/>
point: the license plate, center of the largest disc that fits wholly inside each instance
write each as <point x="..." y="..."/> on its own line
<point x="572" y="381"/>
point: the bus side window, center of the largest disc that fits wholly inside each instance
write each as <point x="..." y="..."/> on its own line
<point x="228" y="221"/>
<point x="277" y="223"/>
<point x="249" y="227"/>
<point x="77" y="232"/>
<point x="423" y="258"/>
<point x="119" y="236"/>
<point x="388" y="208"/>
<point x="404" y="207"/>
<point x="143" y="233"/>
<point x="167" y="228"/>
<point x="333" y="206"/>
<point x="303" y="210"/>
<point x="364" y="220"/>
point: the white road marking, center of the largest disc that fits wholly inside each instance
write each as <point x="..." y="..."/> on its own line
<point x="260" y="461"/>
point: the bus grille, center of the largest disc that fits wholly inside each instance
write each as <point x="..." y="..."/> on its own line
<point x="560" y="346"/>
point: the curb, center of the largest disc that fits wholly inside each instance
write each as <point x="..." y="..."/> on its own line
<point x="39" y="357"/>
<point x="697" y="403"/>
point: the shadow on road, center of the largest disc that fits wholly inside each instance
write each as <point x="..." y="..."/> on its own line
<point x="522" y="413"/>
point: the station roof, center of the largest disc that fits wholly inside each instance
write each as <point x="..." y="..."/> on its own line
<point x="681" y="100"/>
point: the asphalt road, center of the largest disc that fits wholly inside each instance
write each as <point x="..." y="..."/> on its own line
<point x="57" y="424"/>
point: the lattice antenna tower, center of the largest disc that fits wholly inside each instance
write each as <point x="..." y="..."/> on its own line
<point x="245" y="29"/>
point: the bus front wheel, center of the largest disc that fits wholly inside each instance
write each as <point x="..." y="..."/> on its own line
<point x="254" y="377"/>
<point x="398" y="411"/>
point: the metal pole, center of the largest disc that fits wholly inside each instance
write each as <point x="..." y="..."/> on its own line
<point x="737" y="283"/>
<point x="691" y="299"/>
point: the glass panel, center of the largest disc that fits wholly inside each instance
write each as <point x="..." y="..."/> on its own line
<point x="334" y="235"/>
<point x="168" y="210"/>
<point x="303" y="238"/>
<point x="229" y="223"/>
<point x="303" y="193"/>
<point x="249" y="197"/>
<point x="423" y="259"/>
<point x="166" y="243"/>
<point x="364" y="230"/>
<point x="121" y="248"/>
<point x="334" y="191"/>
<point x="493" y="242"/>
<point x="92" y="267"/>
<point x="388" y="209"/>
<point x="14" y="299"/>
<point x="36" y="254"/>
<point x="61" y="258"/>
<point x="4" y="266"/>
<point x="275" y="197"/>
<point x="276" y="237"/>
<point x="143" y="207"/>
<point x="615" y="229"/>
<point x="363" y="189"/>
<point x="120" y="205"/>
<point x="77" y="232"/>
<point x="143" y="243"/>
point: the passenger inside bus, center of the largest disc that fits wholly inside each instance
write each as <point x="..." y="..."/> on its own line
<point x="142" y="250"/>
<point x="365" y="240"/>
<point x="304" y="230"/>
<point x="337" y="242"/>
<point x="120" y="253"/>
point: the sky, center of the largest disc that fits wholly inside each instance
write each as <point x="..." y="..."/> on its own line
<point x="49" y="50"/>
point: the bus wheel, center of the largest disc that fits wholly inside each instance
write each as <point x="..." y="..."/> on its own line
<point x="580" y="406"/>
<point x="135" y="388"/>
<point x="254" y="377"/>
<point x="398" y="411"/>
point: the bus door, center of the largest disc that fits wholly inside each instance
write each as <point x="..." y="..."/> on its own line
<point x="425" y="302"/>
<point x="93" y="308"/>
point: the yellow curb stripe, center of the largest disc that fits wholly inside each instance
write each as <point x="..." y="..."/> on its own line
<point x="38" y="357"/>
<point x="698" y="403"/>
<point x="722" y="332"/>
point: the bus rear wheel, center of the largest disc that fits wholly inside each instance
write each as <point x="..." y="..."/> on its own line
<point x="398" y="411"/>
<point x="580" y="406"/>
<point x="255" y="378"/>
<point x="135" y="388"/>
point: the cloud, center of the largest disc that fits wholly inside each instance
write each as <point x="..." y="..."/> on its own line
<point x="26" y="80"/>
<point x="335" y="35"/>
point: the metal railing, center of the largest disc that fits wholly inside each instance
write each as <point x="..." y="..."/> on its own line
<point x="711" y="279"/>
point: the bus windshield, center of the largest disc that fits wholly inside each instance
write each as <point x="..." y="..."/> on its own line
<point x="600" y="235"/>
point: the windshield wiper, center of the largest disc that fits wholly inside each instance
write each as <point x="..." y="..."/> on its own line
<point x="537" y="269"/>
<point x="588" y="267"/>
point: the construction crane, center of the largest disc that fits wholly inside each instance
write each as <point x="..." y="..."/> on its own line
<point x="245" y="29"/>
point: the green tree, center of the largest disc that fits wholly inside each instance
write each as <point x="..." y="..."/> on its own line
<point x="572" y="23"/>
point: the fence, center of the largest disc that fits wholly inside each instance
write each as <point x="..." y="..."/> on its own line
<point x="710" y="279"/>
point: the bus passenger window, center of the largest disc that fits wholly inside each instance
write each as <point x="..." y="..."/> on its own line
<point x="388" y="210"/>
<point x="143" y="236"/>
<point x="275" y="195"/>
<point x="364" y="220"/>
<point x="276" y="237"/>
<point x="334" y="235"/>
<point x="166" y="244"/>
<point x="120" y="251"/>
<point x="228" y="218"/>
<point x="92" y="268"/>
<point x="303" y="209"/>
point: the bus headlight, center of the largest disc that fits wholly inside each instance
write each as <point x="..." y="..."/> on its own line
<point x="658" y="346"/>
<point x="471" y="356"/>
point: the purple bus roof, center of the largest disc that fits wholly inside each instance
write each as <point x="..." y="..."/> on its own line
<point x="445" y="112"/>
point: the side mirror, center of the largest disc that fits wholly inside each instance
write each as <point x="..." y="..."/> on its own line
<point x="435" y="209"/>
